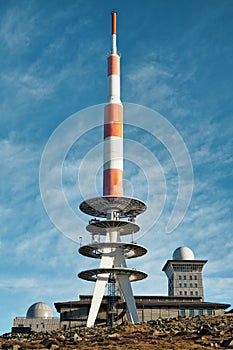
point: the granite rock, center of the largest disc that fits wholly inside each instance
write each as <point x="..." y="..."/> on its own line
<point x="205" y="332"/>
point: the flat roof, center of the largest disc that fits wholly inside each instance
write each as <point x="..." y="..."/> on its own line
<point x="182" y="262"/>
<point x="149" y="301"/>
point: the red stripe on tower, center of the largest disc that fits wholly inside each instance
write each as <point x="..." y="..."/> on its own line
<point x="113" y="177"/>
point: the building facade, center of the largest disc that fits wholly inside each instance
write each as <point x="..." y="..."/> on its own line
<point x="184" y="274"/>
<point x="185" y="297"/>
<point x="39" y="318"/>
<point x="74" y="313"/>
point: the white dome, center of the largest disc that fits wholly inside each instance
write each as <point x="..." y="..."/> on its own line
<point x="39" y="310"/>
<point x="183" y="253"/>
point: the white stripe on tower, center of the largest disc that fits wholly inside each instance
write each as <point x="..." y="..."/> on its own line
<point x="113" y="125"/>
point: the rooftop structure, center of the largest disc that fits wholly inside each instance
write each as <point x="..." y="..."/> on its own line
<point x="39" y="310"/>
<point x="184" y="274"/>
<point x="39" y="318"/>
<point x="183" y="253"/>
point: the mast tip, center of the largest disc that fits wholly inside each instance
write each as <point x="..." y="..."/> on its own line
<point x="114" y="14"/>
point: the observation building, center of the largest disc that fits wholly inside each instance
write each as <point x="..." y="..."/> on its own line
<point x="39" y="318"/>
<point x="184" y="274"/>
<point x="185" y="297"/>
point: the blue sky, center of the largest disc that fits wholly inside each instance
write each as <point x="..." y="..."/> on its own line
<point x="176" y="59"/>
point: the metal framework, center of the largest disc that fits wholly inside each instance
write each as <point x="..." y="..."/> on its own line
<point x="113" y="254"/>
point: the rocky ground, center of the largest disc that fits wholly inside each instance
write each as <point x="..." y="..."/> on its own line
<point x="204" y="332"/>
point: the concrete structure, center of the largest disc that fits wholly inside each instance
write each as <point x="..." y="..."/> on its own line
<point x="75" y="313"/>
<point x="39" y="318"/>
<point x="116" y="214"/>
<point x="184" y="274"/>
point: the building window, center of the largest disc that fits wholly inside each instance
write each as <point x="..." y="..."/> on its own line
<point x="184" y="277"/>
<point x="195" y="285"/>
<point x="179" y="277"/>
<point x="191" y="285"/>
<point x="185" y="285"/>
<point x="187" y="267"/>
<point x="196" y="293"/>
<point x="180" y="292"/>
<point x="185" y="293"/>
<point x="209" y="312"/>
<point x="191" y="312"/>
<point x="180" y="285"/>
<point x="200" y="312"/>
<point x="170" y="285"/>
<point x="191" y="292"/>
<point x="195" y="277"/>
<point x="182" y="313"/>
<point x="190" y="277"/>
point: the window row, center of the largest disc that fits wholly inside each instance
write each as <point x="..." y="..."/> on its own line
<point x="187" y="267"/>
<point x="191" y="285"/>
<point x="186" y="293"/>
<point x="191" y="312"/>
<point x="190" y="277"/>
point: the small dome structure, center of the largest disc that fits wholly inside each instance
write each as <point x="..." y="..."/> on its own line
<point x="183" y="253"/>
<point x="39" y="310"/>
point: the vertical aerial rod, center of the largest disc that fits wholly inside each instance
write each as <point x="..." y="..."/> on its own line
<point x="114" y="47"/>
<point x="113" y="177"/>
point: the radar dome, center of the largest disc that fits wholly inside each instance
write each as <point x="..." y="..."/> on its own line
<point x="39" y="310"/>
<point x="183" y="253"/>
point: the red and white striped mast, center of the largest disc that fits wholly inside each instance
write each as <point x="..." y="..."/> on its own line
<point x="118" y="213"/>
<point x="113" y="177"/>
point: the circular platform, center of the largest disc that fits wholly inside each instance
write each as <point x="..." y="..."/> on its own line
<point x="95" y="250"/>
<point x="91" y="275"/>
<point x="98" y="227"/>
<point x="124" y="206"/>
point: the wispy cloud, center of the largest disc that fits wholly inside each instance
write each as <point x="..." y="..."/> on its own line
<point x="17" y="28"/>
<point x="148" y="83"/>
